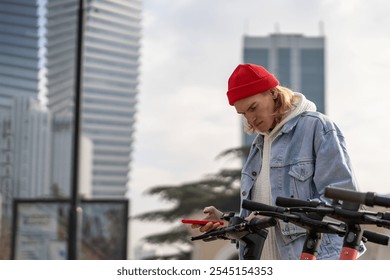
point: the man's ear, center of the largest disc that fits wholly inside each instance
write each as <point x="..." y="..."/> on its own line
<point x="274" y="94"/>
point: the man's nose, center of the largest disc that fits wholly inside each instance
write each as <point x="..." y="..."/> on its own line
<point x="250" y="117"/>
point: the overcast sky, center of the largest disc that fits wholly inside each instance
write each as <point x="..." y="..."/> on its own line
<point x="189" y="49"/>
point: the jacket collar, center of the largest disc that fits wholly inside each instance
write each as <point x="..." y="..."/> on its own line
<point x="287" y="127"/>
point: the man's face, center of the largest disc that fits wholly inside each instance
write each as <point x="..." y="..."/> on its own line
<point x="258" y="110"/>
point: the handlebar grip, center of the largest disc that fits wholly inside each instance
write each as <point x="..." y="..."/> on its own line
<point x="293" y="202"/>
<point x="257" y="206"/>
<point x="344" y="194"/>
<point x="261" y="223"/>
<point x="376" y="237"/>
<point x="380" y="200"/>
<point x="366" y="198"/>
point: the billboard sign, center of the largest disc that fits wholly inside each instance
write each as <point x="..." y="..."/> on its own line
<point x="41" y="228"/>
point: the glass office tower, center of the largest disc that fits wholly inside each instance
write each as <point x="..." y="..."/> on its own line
<point x="296" y="60"/>
<point x="19" y="58"/>
<point x="24" y="122"/>
<point x="109" y="88"/>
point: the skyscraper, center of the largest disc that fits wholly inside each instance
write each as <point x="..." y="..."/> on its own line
<point x="19" y="57"/>
<point x="109" y="86"/>
<point x="24" y="122"/>
<point x="297" y="61"/>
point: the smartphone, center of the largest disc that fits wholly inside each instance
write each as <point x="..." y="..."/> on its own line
<point x="199" y="222"/>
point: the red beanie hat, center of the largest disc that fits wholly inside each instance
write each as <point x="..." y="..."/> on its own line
<point x="247" y="80"/>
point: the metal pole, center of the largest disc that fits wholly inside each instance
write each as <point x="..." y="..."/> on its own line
<point x="74" y="199"/>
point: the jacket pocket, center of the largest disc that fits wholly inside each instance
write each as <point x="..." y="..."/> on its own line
<point x="301" y="180"/>
<point x="302" y="171"/>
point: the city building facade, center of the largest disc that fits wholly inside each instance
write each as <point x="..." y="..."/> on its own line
<point x="19" y="50"/>
<point x="38" y="46"/>
<point x="111" y="42"/>
<point x="24" y="122"/>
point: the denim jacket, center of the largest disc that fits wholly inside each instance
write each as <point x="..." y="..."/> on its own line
<point x="308" y="154"/>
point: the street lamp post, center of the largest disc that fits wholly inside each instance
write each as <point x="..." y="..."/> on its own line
<point x="74" y="199"/>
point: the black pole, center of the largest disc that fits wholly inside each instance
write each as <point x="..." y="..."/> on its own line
<point x="74" y="199"/>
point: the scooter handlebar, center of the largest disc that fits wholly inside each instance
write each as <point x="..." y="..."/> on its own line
<point x="366" y="198"/>
<point x="293" y="202"/>
<point x="257" y="206"/>
<point x="375" y="237"/>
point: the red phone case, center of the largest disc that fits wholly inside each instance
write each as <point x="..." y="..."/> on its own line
<point x="198" y="222"/>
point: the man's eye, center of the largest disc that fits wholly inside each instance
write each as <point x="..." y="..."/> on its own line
<point x="252" y="108"/>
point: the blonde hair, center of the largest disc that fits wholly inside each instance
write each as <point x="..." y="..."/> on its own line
<point x="284" y="101"/>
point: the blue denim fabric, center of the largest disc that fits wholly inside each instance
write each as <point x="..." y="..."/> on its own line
<point x="308" y="155"/>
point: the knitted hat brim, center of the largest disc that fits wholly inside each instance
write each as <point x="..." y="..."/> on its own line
<point x="250" y="89"/>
